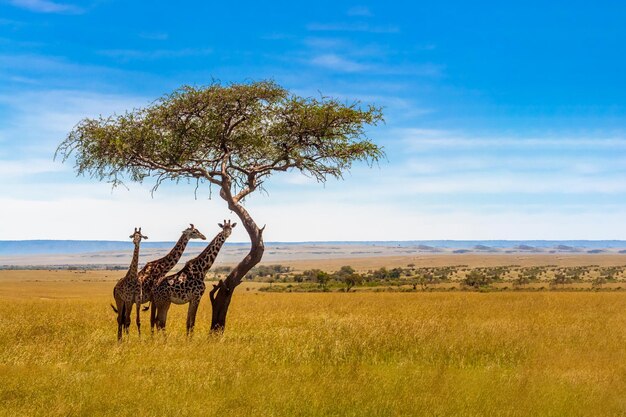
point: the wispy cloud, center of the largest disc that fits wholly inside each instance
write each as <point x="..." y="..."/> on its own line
<point x="23" y="80"/>
<point x="406" y="222"/>
<point x="277" y="36"/>
<point x="27" y="167"/>
<point x="516" y="183"/>
<point x="362" y="92"/>
<point x="338" y="63"/>
<point x="55" y="71"/>
<point x="76" y="213"/>
<point x="360" y="11"/>
<point x="470" y="189"/>
<point x="342" y="54"/>
<point x="36" y="121"/>
<point x="154" y="36"/>
<point x="351" y="27"/>
<point x="8" y="22"/>
<point x="322" y="43"/>
<point x="426" y="139"/>
<point x="20" y="44"/>
<point x="448" y="164"/>
<point x="465" y="163"/>
<point x="89" y="217"/>
<point x="137" y="54"/>
<point x="46" y="6"/>
<point x="343" y="63"/>
<point x="23" y="63"/>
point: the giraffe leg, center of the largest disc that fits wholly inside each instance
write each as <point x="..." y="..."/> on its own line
<point x="162" y="314"/>
<point x="153" y="311"/>
<point x="191" y="315"/>
<point x="120" y="318"/>
<point x="138" y="319"/>
<point x="128" y="312"/>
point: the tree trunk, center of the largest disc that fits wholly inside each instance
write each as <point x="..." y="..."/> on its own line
<point x="222" y="293"/>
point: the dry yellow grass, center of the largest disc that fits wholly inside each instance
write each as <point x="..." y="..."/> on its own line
<point x="337" y="354"/>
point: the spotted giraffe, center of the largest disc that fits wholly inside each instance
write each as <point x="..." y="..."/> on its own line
<point x="152" y="271"/>
<point x="126" y="288"/>
<point x="187" y="285"/>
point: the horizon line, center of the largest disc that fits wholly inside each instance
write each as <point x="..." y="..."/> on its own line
<point x="327" y="241"/>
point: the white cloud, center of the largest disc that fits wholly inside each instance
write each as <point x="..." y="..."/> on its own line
<point x="39" y="120"/>
<point x="54" y="71"/>
<point x="327" y="220"/>
<point x="362" y="93"/>
<point x="321" y="220"/>
<point x="348" y="63"/>
<point x="466" y="162"/>
<point x="8" y="22"/>
<point x="372" y="204"/>
<point x="360" y="11"/>
<point x="109" y="218"/>
<point x="338" y="63"/>
<point x="24" y="80"/>
<point x="421" y="139"/>
<point x="154" y="36"/>
<point x="498" y="183"/>
<point x="402" y="182"/>
<point x="46" y="6"/>
<point x="340" y="53"/>
<point x="326" y="43"/>
<point x="439" y="162"/>
<point x="351" y="27"/>
<point x="276" y="36"/>
<point x="23" y="62"/>
<point x="26" y="167"/>
<point x="136" y="54"/>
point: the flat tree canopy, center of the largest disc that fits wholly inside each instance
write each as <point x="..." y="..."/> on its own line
<point x="233" y="137"/>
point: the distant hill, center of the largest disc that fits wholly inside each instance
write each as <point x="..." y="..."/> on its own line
<point x="427" y="248"/>
<point x="527" y="248"/>
<point x="54" y="247"/>
<point x="484" y="248"/>
<point x="566" y="248"/>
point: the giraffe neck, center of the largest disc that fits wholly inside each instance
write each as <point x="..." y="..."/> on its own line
<point x="172" y="258"/>
<point x="132" y="271"/>
<point x="205" y="260"/>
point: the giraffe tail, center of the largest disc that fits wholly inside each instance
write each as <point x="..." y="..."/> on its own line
<point x="112" y="306"/>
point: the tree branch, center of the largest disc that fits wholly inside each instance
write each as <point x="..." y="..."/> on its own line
<point x="176" y="170"/>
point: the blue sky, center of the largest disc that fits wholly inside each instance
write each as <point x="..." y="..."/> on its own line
<point x="503" y="120"/>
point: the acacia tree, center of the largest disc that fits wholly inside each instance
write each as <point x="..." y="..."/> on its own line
<point x="232" y="137"/>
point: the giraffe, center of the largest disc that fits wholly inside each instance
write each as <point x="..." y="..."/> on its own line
<point x="156" y="269"/>
<point x="126" y="288"/>
<point x="187" y="285"/>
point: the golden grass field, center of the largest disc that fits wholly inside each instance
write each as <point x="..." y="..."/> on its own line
<point x="314" y="354"/>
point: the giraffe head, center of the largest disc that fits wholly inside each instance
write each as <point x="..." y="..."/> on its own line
<point x="227" y="228"/>
<point x="137" y="236"/>
<point x="193" y="233"/>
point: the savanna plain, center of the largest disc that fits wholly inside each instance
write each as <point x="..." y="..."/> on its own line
<point x="360" y="353"/>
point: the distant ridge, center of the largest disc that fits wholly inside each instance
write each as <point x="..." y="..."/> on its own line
<point x="53" y="247"/>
